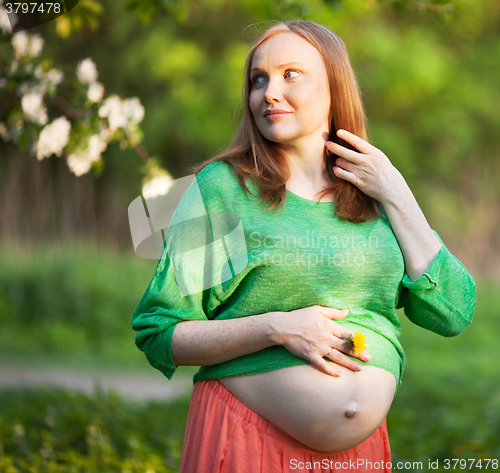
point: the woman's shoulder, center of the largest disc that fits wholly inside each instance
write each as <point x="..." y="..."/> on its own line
<point x="214" y="171"/>
<point x="218" y="179"/>
<point x="209" y="191"/>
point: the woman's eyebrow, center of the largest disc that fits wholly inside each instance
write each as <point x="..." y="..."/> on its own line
<point x="280" y="67"/>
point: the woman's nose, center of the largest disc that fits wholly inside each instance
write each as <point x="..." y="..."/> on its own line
<point x="273" y="92"/>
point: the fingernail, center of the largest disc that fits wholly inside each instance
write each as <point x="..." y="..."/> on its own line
<point x="337" y="374"/>
<point x="358" y="367"/>
<point x="367" y="357"/>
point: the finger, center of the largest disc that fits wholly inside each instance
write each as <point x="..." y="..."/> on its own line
<point x="340" y="335"/>
<point x="342" y="360"/>
<point x="333" y="313"/>
<point x="346" y="175"/>
<point x="346" y="165"/>
<point x="359" y="143"/>
<point x="363" y="355"/>
<point x="328" y="368"/>
<point x="343" y="152"/>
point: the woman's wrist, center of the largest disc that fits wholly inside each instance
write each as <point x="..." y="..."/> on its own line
<point x="275" y="334"/>
<point x="419" y="245"/>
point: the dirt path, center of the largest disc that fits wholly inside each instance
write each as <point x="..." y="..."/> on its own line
<point x="132" y="385"/>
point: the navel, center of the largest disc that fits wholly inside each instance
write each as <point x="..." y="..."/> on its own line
<point x="352" y="409"/>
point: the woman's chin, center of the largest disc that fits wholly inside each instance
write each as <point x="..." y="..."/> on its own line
<point x="280" y="138"/>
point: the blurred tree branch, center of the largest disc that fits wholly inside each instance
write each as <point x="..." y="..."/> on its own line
<point x="181" y="9"/>
<point x="85" y="13"/>
<point x="434" y="6"/>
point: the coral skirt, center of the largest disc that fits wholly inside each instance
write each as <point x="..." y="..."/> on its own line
<point x="225" y="436"/>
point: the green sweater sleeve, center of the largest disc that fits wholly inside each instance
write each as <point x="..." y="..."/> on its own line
<point x="180" y="288"/>
<point x="158" y="312"/>
<point x="442" y="300"/>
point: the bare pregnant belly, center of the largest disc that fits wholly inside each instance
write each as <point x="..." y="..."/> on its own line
<point x="325" y="413"/>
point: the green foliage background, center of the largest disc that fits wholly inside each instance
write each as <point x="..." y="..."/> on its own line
<point x="428" y="72"/>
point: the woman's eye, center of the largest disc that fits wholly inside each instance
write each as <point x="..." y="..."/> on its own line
<point x="257" y="80"/>
<point x="287" y="73"/>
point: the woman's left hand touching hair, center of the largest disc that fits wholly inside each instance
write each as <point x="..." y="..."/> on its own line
<point x="371" y="171"/>
<point x="368" y="168"/>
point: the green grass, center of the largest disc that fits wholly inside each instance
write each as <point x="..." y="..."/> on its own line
<point x="71" y="304"/>
<point x="53" y="430"/>
<point x="448" y="405"/>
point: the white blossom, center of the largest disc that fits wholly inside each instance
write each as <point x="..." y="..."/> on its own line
<point x="86" y="71"/>
<point x="81" y="162"/>
<point x="78" y="164"/>
<point x="95" y="92"/>
<point x="25" y="44"/>
<point x="36" y="45"/>
<point x="31" y="102"/>
<point x="121" y="112"/>
<point x="96" y="146"/>
<point x="133" y="109"/>
<point x="159" y="185"/>
<point x="33" y="107"/>
<point x="113" y="110"/>
<point x="54" y="76"/>
<point x="21" y="44"/>
<point x="53" y="138"/>
<point x="110" y="105"/>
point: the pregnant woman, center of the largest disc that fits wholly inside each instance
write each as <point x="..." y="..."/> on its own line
<point x="268" y="291"/>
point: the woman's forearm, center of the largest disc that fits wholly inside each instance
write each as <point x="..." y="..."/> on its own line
<point x="416" y="239"/>
<point x="208" y="342"/>
<point x="372" y="172"/>
<point x="307" y="333"/>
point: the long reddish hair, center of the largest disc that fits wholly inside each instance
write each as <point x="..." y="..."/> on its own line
<point x="253" y="156"/>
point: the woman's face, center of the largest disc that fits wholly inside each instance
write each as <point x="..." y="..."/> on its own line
<point x="287" y="74"/>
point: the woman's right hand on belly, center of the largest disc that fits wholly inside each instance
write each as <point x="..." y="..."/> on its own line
<point x="311" y="334"/>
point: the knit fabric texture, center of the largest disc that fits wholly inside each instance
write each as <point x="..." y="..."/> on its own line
<point x="226" y="256"/>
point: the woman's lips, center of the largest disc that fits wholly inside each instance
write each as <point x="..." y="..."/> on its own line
<point x="274" y="114"/>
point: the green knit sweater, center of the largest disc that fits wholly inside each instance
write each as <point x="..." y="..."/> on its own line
<point x="226" y="256"/>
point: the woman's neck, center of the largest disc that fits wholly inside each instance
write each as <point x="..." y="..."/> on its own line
<point x="307" y="185"/>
